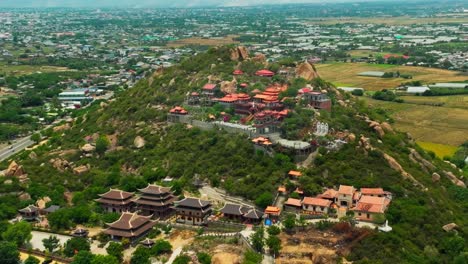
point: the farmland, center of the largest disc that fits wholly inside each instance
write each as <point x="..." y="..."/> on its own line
<point x="346" y="74"/>
<point x="445" y="125"/>
<point x="440" y="150"/>
<point x="203" y="41"/>
<point x="28" y="69"/>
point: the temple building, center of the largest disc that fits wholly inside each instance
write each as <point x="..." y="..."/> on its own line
<point x="116" y="201"/>
<point x="193" y="211"/>
<point x="241" y="213"/>
<point x="29" y="213"/>
<point x="131" y="226"/>
<point x="177" y="114"/>
<point x="156" y="201"/>
<point x="268" y="121"/>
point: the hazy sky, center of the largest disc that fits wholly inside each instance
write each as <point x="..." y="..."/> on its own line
<point x="153" y="3"/>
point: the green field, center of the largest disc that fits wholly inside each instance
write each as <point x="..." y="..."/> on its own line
<point x="446" y="125"/>
<point x="347" y="73"/>
<point x="440" y="150"/>
<point x="28" y="69"/>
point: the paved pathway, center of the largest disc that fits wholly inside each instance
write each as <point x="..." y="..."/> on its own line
<point x="174" y="255"/>
<point x="37" y="236"/>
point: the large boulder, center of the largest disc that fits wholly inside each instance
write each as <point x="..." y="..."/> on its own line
<point x="81" y="169"/>
<point x="239" y="53"/>
<point x="139" y="142"/>
<point x="397" y="167"/>
<point x="425" y="164"/>
<point x="449" y="227"/>
<point x="454" y="179"/>
<point x="42" y="203"/>
<point x="24" y="197"/>
<point x="387" y="127"/>
<point x="88" y="148"/>
<point x="62" y="127"/>
<point x="435" y="177"/>
<point x="260" y="57"/>
<point x="14" y="170"/>
<point x="229" y="87"/>
<point x="307" y="71"/>
<point x="60" y="164"/>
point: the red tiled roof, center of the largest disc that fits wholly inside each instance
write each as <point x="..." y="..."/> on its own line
<point x="345" y="189"/>
<point x="272" y="210"/>
<point x="373" y="191"/>
<point x="329" y="194"/>
<point x="209" y="86"/>
<point x="295" y="173"/>
<point x="264" y="73"/>
<point x="304" y="90"/>
<point x="281" y="189"/>
<point x="238" y="72"/>
<point x="178" y="110"/>
<point x="293" y="202"/>
<point x="372" y="204"/>
<point x="316" y="201"/>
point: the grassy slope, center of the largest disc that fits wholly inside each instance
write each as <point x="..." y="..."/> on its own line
<point x="439" y="149"/>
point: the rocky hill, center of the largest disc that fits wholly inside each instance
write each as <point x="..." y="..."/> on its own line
<point x="127" y="143"/>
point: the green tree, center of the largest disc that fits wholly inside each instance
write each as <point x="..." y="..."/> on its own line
<point x="251" y="257"/>
<point x="51" y="243"/>
<point x="160" y="247"/>
<point x="59" y="219"/>
<point x="18" y="233"/>
<point x="83" y="257"/>
<point x="32" y="260"/>
<point x="36" y="137"/>
<point x="182" y="259"/>
<point x="102" y="144"/>
<point x="273" y="230"/>
<point x="265" y="199"/>
<point x="290" y="222"/>
<point x="115" y="249"/>
<point x="203" y="258"/>
<point x="257" y="239"/>
<point x="140" y="256"/>
<point x="274" y="244"/>
<point x="9" y="253"/>
<point x="101" y="259"/>
<point x="75" y="245"/>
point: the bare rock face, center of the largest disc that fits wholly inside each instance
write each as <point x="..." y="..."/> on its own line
<point x="63" y="127"/>
<point x="88" y="148"/>
<point x="32" y="155"/>
<point x="379" y="131"/>
<point x="259" y="57"/>
<point x="229" y="87"/>
<point x="425" y="164"/>
<point x="103" y="104"/>
<point x="139" y="142"/>
<point x="81" y="169"/>
<point x="449" y="227"/>
<point x="454" y="179"/>
<point x="387" y="127"/>
<point x="60" y="164"/>
<point x="24" y="197"/>
<point x="239" y="53"/>
<point x="307" y="71"/>
<point x="41" y="203"/>
<point x="435" y="177"/>
<point x="14" y="170"/>
<point x="397" y="167"/>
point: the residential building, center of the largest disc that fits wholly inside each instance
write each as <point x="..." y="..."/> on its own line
<point x="314" y="205"/>
<point x="345" y="196"/>
<point x="293" y="205"/>
<point x="369" y="207"/>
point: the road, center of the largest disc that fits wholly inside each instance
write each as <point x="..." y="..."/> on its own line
<point x="16" y="147"/>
